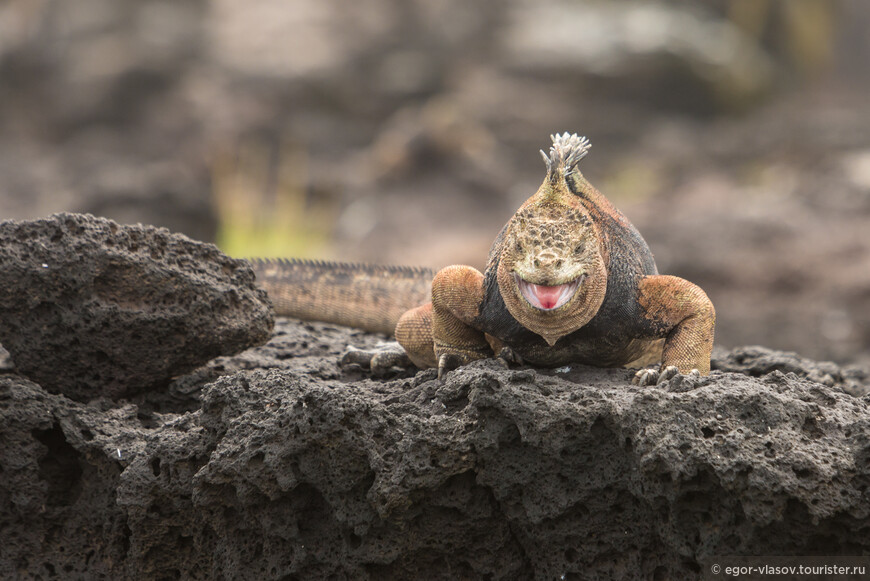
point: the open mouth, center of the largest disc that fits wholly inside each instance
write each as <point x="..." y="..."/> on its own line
<point x="547" y="298"/>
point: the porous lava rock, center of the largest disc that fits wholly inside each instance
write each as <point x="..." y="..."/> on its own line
<point x="291" y="467"/>
<point x="90" y="308"/>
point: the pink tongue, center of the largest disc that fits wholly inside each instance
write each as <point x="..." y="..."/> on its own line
<point x="548" y="296"/>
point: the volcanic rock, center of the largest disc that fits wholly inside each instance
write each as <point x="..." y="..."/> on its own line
<point x="90" y="308"/>
<point x="291" y="467"/>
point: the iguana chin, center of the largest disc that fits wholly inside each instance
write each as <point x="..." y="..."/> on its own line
<point x="568" y="280"/>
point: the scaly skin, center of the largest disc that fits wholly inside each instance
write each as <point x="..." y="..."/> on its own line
<point x="568" y="280"/>
<point x="364" y="296"/>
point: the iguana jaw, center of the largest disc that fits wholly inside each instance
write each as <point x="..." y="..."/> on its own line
<point x="552" y="311"/>
<point x="545" y="297"/>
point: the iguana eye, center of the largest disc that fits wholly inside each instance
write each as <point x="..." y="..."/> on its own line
<point x="580" y="248"/>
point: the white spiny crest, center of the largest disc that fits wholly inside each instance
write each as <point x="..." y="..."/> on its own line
<point x="565" y="153"/>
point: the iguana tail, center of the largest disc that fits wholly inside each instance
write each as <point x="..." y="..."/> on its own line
<point x="364" y="296"/>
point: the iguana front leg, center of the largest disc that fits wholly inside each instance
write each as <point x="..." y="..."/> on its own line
<point x="682" y="313"/>
<point x="457" y="293"/>
<point x="439" y="334"/>
<point x="414" y="334"/>
<point x="413" y="345"/>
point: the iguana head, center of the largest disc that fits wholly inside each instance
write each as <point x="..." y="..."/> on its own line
<point x="552" y="273"/>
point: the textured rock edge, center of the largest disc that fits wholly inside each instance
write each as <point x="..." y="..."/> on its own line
<point x="303" y="472"/>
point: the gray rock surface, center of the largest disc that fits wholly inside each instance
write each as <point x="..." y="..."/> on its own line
<point x="90" y="308"/>
<point x="287" y="466"/>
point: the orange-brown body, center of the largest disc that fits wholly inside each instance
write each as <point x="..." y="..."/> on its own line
<point x="568" y="280"/>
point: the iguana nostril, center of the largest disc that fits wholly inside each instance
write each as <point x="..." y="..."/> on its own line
<point x="558" y="264"/>
<point x="547" y="259"/>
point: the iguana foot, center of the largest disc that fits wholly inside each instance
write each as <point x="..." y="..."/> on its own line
<point x="380" y="360"/>
<point x="507" y="357"/>
<point x="448" y="362"/>
<point x="652" y="376"/>
<point x="451" y="358"/>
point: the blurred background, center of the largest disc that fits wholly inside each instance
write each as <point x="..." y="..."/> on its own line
<point x="734" y="133"/>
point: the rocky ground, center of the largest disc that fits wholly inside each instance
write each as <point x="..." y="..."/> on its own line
<point x="278" y="463"/>
<point x="290" y="467"/>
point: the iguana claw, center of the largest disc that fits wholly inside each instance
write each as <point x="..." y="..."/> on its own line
<point x="448" y="362"/>
<point x="381" y="359"/>
<point x="509" y="357"/>
<point x="652" y="376"/>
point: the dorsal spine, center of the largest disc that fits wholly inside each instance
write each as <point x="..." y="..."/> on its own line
<point x="565" y="153"/>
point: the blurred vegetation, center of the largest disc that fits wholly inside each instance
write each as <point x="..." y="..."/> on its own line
<point x="263" y="203"/>
<point x="801" y="32"/>
<point x="263" y="191"/>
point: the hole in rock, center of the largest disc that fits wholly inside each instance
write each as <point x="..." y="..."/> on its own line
<point x="60" y="467"/>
